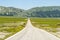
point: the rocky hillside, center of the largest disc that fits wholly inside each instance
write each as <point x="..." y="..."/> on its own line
<point x="50" y="11"/>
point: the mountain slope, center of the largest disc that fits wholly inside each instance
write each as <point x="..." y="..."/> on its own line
<point x="10" y="11"/>
<point x="50" y="11"/>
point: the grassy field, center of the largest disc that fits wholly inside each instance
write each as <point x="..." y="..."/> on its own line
<point x="10" y="26"/>
<point x="49" y="24"/>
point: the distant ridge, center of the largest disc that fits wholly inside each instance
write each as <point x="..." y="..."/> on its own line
<point x="49" y="11"/>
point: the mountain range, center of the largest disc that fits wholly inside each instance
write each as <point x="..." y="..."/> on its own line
<point x="47" y="11"/>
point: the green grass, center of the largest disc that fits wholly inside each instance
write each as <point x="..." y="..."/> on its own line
<point x="7" y="20"/>
<point x="5" y="25"/>
<point x="49" y="24"/>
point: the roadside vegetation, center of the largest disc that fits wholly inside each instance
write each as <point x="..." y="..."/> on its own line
<point x="51" y="25"/>
<point x="10" y="26"/>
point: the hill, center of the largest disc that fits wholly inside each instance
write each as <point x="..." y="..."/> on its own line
<point x="50" y="11"/>
<point x="10" y="11"/>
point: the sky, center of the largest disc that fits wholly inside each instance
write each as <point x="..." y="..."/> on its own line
<point x="27" y="4"/>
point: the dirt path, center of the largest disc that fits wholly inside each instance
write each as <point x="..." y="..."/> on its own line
<point x="32" y="33"/>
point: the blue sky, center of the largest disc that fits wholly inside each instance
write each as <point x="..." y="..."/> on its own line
<point x="27" y="4"/>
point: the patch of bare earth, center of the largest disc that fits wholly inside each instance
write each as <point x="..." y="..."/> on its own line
<point x="3" y="34"/>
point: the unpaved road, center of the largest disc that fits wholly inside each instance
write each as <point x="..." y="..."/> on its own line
<point x="32" y="33"/>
